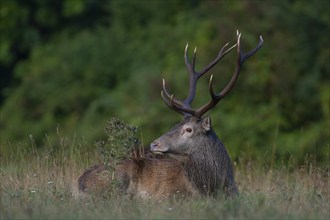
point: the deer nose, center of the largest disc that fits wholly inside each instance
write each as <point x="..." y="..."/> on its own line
<point x="154" y="145"/>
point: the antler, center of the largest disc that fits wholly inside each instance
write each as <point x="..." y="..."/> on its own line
<point x="183" y="107"/>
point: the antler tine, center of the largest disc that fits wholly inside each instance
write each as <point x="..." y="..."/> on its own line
<point x="221" y="54"/>
<point x="213" y="95"/>
<point x="252" y="52"/>
<point x="167" y="95"/>
<point x="183" y="107"/>
<point x="178" y="108"/>
<point x="193" y="76"/>
<point x="173" y="103"/>
<point x="190" y="66"/>
<point x="169" y="103"/>
<point x="241" y="57"/>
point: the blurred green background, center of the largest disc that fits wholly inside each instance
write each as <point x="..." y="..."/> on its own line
<point x="68" y="66"/>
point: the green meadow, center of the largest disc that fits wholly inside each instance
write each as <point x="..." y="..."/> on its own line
<point x="38" y="185"/>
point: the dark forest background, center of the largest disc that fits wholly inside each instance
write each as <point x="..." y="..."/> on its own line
<point x="69" y="66"/>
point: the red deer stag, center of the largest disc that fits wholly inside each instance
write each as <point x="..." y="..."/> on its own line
<point x="200" y="164"/>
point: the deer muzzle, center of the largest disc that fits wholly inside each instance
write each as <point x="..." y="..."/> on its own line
<point x="157" y="148"/>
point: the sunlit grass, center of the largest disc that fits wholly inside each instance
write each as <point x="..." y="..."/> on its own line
<point x="37" y="185"/>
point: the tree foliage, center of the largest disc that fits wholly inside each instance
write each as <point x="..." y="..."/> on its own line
<point x="86" y="61"/>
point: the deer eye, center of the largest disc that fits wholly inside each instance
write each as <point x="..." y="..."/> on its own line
<point x="188" y="130"/>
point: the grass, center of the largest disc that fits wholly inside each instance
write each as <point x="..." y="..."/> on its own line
<point x="37" y="185"/>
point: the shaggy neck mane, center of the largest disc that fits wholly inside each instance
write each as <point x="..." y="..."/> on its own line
<point x="207" y="168"/>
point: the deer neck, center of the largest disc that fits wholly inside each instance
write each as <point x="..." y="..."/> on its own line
<point x="208" y="165"/>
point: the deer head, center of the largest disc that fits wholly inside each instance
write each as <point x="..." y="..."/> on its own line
<point x="178" y="140"/>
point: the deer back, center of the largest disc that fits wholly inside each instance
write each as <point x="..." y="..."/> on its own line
<point x="138" y="178"/>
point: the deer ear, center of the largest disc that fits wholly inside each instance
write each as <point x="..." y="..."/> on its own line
<point x="206" y="123"/>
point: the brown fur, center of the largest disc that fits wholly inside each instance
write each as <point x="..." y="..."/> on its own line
<point x="139" y="178"/>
